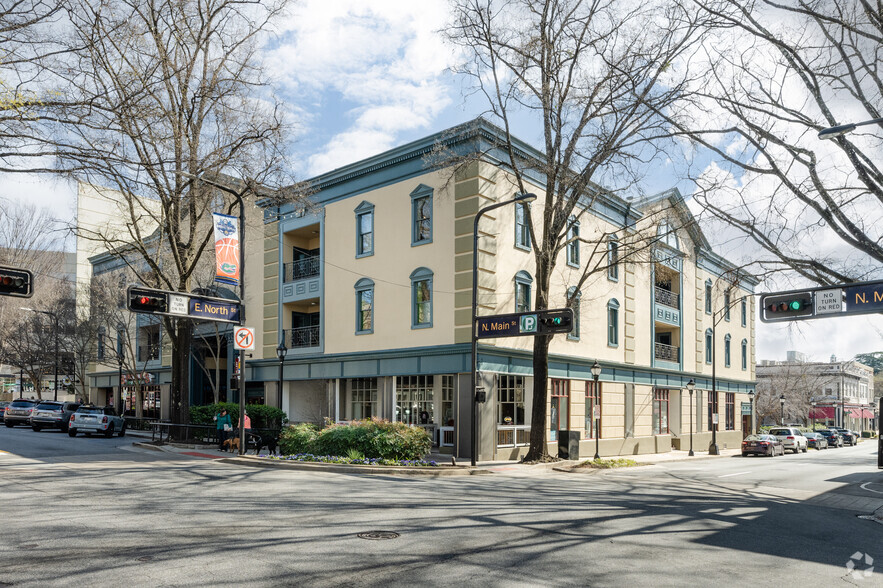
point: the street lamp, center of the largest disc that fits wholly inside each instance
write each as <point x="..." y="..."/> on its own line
<point x="838" y="131"/>
<point x="522" y="198"/>
<point x="812" y="413"/>
<point x="596" y="373"/>
<point x="54" y="318"/>
<point x="716" y="318"/>
<point x="782" y="402"/>
<point x="691" y="385"/>
<point x="751" y="394"/>
<point x="280" y="353"/>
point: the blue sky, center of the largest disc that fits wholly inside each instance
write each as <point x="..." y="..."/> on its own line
<point x="360" y="78"/>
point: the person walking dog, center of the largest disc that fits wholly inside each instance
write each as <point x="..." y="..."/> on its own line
<point x="224" y="427"/>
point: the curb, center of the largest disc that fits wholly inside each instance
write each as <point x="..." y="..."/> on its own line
<point x="440" y="471"/>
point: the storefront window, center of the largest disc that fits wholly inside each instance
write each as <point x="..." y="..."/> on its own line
<point x="364" y="398"/>
<point x="447" y="407"/>
<point x="414" y="400"/>
<point x="510" y="400"/>
<point x="660" y="412"/>
<point x="560" y="408"/>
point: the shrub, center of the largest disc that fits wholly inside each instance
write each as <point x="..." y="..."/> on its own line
<point x="262" y="416"/>
<point x="297" y="439"/>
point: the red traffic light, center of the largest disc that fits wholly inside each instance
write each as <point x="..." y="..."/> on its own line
<point x="16" y="282"/>
<point x="147" y="300"/>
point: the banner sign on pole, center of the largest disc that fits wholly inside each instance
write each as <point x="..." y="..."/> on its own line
<point x="227" y="262"/>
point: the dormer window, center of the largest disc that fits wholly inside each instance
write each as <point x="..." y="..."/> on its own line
<point x="667" y="234"/>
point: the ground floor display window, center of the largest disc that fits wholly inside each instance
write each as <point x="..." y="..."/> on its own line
<point x="512" y="428"/>
<point x="414" y="400"/>
<point x="593" y="399"/>
<point x="660" y="412"/>
<point x="363" y="398"/>
<point x="560" y="410"/>
<point x="731" y="411"/>
<point x="150" y="404"/>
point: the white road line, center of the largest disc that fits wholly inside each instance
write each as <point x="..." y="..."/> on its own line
<point x="868" y="489"/>
<point x="736" y="474"/>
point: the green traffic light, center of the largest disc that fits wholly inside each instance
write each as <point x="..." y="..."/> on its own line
<point x="794" y="305"/>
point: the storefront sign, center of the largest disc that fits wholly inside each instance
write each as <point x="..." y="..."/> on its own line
<point x="746" y="409"/>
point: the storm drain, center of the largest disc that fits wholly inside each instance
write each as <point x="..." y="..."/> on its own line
<point x="378" y="535"/>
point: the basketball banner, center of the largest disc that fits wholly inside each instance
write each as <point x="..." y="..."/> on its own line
<point x="227" y="264"/>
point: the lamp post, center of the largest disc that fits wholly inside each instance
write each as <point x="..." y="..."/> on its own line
<point x="21" y="381"/>
<point x="473" y="367"/>
<point x="596" y="373"/>
<point x="716" y="318"/>
<point x="840" y="130"/>
<point x="812" y="413"/>
<point x="782" y="402"/>
<point x="751" y="394"/>
<point x="55" y="319"/>
<point x="280" y="353"/>
<point x="120" y="408"/>
<point x="691" y="385"/>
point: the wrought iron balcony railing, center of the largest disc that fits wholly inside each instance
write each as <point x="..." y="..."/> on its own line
<point x="666" y="297"/>
<point x="667" y="352"/>
<point x="302" y="337"/>
<point x="302" y="268"/>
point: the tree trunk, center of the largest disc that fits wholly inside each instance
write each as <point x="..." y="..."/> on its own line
<point x="538" y="446"/>
<point x="180" y="397"/>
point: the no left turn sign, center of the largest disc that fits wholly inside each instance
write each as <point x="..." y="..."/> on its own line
<point x="243" y="338"/>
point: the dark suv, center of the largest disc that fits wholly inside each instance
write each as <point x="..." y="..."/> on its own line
<point x="849" y="438"/>
<point x="19" y="412"/>
<point x="52" y="414"/>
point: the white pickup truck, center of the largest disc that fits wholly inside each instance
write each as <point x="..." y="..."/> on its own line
<point x="96" y="419"/>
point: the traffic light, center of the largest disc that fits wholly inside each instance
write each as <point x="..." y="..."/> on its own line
<point x="785" y="307"/>
<point x="555" y="321"/>
<point x="16" y="282"/>
<point x="147" y="300"/>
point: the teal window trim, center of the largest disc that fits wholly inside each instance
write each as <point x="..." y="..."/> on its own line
<point x="708" y="346"/>
<point x="573" y="247"/>
<point x="421" y="215"/>
<point x="727" y="340"/>
<point x="364" y="247"/>
<point x="576" y="296"/>
<point x="522" y="231"/>
<point x="613" y="323"/>
<point x="523" y="281"/>
<point x="364" y="292"/>
<point x="727" y="305"/>
<point x="613" y="258"/>
<point x="421" y="298"/>
<point x="708" y="296"/>
<point x="744" y="354"/>
<point x="744" y="313"/>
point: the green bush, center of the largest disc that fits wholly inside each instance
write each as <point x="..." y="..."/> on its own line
<point x="297" y="439"/>
<point x="371" y="438"/>
<point x="262" y="416"/>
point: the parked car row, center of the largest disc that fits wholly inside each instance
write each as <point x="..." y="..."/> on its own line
<point x="69" y="417"/>
<point x="780" y="439"/>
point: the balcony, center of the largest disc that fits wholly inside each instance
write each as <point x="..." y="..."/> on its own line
<point x="301" y="269"/>
<point x="664" y="352"/>
<point x="302" y="337"/>
<point x="666" y="297"/>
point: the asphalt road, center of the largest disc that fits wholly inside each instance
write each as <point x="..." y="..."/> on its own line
<point x="118" y="515"/>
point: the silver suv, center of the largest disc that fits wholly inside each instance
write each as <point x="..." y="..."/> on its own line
<point x="19" y="412"/>
<point x="791" y="438"/>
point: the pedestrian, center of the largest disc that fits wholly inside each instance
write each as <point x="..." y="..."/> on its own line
<point x="224" y="426"/>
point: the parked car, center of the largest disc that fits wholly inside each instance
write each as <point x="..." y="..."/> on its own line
<point x="816" y="441"/>
<point x="19" y="412"/>
<point x="849" y="437"/>
<point x="3" y="405"/>
<point x="762" y="445"/>
<point x="791" y="438"/>
<point x="96" y="419"/>
<point x="53" y="414"/>
<point x="832" y="437"/>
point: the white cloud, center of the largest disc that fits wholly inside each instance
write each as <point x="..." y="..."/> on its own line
<point x="384" y="61"/>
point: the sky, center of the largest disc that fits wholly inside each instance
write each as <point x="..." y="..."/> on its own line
<point x="362" y="77"/>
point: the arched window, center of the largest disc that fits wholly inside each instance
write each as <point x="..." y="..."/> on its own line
<point x="612" y="258"/>
<point x="667" y="234"/>
<point x="707" y="296"/>
<point x="572" y="294"/>
<point x="364" y="229"/>
<point x="744" y="312"/>
<point x="727" y="304"/>
<point x="364" y="306"/>
<point x="421" y="215"/>
<point x="727" y="351"/>
<point x="523" y="280"/>
<point x="421" y="298"/>
<point x="613" y="322"/>
<point x="708" y="346"/>
<point x="573" y="246"/>
<point x="744" y="354"/>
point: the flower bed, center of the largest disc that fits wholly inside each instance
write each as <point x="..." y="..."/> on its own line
<point x="373" y="461"/>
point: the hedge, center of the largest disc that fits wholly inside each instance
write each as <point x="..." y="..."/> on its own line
<point x="262" y="416"/>
<point x="373" y="438"/>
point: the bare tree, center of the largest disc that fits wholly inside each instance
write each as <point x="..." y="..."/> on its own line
<point x="798" y="382"/>
<point x="775" y="75"/>
<point x="157" y="94"/>
<point x="592" y="76"/>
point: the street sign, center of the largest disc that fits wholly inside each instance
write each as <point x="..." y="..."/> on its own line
<point x="823" y="302"/>
<point x="243" y="338"/>
<point x="525" y="324"/>
<point x="182" y="304"/>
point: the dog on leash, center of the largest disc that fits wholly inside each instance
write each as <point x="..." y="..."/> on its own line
<point x="231" y="444"/>
<point x="267" y="440"/>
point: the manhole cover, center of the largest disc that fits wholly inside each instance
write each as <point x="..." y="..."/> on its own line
<point x="377" y="535"/>
<point x="145" y="558"/>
